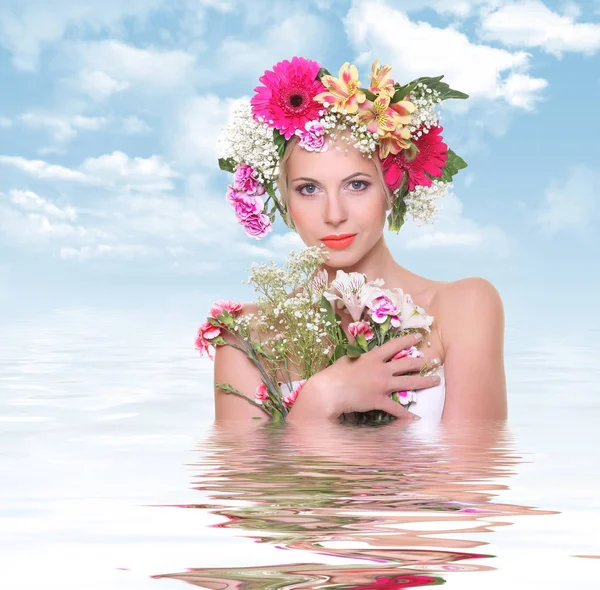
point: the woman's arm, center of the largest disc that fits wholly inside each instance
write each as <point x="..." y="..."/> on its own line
<point x="233" y="367"/>
<point x="473" y="338"/>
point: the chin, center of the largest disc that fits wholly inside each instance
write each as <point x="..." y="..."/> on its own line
<point x="340" y="259"/>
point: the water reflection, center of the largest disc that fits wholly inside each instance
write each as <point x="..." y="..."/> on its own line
<point x="390" y="507"/>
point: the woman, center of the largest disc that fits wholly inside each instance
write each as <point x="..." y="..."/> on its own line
<point x="349" y="158"/>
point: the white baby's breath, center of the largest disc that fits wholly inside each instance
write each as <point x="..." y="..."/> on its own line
<point x="246" y="141"/>
<point x="425" y="115"/>
<point x="421" y="203"/>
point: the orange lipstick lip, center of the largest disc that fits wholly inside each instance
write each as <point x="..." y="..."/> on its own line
<point x="338" y="243"/>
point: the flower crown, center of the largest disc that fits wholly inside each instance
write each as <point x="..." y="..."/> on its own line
<point x="299" y="98"/>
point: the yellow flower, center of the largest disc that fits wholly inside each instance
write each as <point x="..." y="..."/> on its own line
<point x="342" y="93"/>
<point x="381" y="83"/>
<point x="404" y="109"/>
<point x="378" y="116"/>
<point x="395" y="142"/>
<point x="399" y="139"/>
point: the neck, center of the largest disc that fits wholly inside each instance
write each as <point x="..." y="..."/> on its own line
<point x="377" y="263"/>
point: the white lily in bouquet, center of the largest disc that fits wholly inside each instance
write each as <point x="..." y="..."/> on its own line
<point x="378" y="315"/>
<point x="298" y="332"/>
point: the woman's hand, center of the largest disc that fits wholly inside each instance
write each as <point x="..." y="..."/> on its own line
<point x="363" y="384"/>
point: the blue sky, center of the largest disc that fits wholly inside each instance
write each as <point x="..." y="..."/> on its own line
<point x="109" y="113"/>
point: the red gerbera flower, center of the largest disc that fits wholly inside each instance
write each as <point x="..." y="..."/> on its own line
<point x="286" y="99"/>
<point x="429" y="161"/>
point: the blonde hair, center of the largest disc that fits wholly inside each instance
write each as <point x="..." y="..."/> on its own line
<point x="282" y="180"/>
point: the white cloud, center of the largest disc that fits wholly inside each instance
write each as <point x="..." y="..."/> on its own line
<point x="452" y="229"/>
<point x="437" y="239"/>
<point x="282" y="244"/>
<point x="63" y="128"/>
<point x="26" y="27"/>
<point x="570" y="204"/>
<point x="530" y="23"/>
<point x="127" y="251"/>
<point x="197" y="126"/>
<point x="99" y="85"/>
<point x="126" y="64"/>
<point x="459" y="8"/>
<point x="4" y="122"/>
<point x="32" y="202"/>
<point x="139" y="174"/>
<point x="420" y="49"/>
<point x="115" y="171"/>
<point x="133" y="125"/>
<point x="41" y="169"/>
<point x="248" y="57"/>
<point x="29" y="218"/>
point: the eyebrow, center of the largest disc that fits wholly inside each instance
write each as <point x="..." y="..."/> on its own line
<point x="306" y="179"/>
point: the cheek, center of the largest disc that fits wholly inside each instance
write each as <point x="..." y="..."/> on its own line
<point x="301" y="214"/>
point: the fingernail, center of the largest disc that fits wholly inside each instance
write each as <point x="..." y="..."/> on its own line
<point x="418" y="336"/>
<point x="435" y="361"/>
<point x="436" y="378"/>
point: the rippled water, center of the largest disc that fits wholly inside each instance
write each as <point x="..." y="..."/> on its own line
<point x="113" y="476"/>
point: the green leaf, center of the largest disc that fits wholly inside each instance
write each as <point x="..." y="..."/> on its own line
<point x="436" y="84"/>
<point x="403" y="91"/>
<point x="398" y="212"/>
<point x="228" y="389"/>
<point x="338" y="353"/>
<point x="323" y="72"/>
<point x="227" y="165"/>
<point x="280" y="142"/>
<point x="354" y="351"/>
<point x="454" y="163"/>
<point x="260" y="350"/>
<point x="370" y="95"/>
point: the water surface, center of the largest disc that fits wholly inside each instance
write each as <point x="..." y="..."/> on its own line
<point x="113" y="476"/>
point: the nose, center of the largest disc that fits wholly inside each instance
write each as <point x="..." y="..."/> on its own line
<point x="335" y="209"/>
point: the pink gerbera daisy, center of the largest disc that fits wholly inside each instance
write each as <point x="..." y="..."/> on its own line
<point x="286" y="99"/>
<point x="427" y="161"/>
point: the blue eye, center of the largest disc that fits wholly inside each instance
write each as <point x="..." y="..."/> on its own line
<point x="359" y="185"/>
<point x="307" y="189"/>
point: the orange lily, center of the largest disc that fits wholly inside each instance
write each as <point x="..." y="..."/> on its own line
<point x="381" y="83"/>
<point x="378" y="116"/>
<point x="395" y="142"/>
<point x="342" y="93"/>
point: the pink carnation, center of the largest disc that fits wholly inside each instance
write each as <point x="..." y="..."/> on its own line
<point x="362" y="327"/>
<point x="381" y="307"/>
<point x="261" y="394"/>
<point x="244" y="180"/>
<point x="407" y="397"/>
<point x="257" y="226"/>
<point x="224" y="305"/>
<point x="312" y="137"/>
<point x="206" y="333"/>
<point x="245" y="205"/>
<point x="290" y="399"/>
<point x="412" y="352"/>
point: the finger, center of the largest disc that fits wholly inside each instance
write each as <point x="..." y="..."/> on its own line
<point x="388" y="405"/>
<point x="388" y="349"/>
<point x="405" y="365"/>
<point x="408" y="382"/>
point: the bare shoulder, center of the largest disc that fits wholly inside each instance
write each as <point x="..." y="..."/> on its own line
<point x="468" y="300"/>
<point x="472" y="319"/>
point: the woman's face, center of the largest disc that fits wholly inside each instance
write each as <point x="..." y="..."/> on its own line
<point x="336" y="193"/>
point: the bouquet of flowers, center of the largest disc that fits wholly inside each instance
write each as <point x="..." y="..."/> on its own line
<point x="297" y="330"/>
